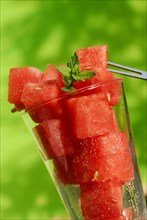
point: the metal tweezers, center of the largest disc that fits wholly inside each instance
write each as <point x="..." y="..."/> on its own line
<point x="138" y="73"/>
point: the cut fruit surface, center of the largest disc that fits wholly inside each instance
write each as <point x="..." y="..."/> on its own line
<point x="91" y="116"/>
<point x="106" y="85"/>
<point x="101" y="201"/>
<point x="112" y="90"/>
<point x="91" y="57"/>
<point x="115" y="167"/>
<point x="37" y="93"/>
<point x="93" y="162"/>
<point x="52" y="73"/>
<point x="54" y="138"/>
<point x="111" y="144"/>
<point x="17" y="79"/>
<point x="40" y="99"/>
<point x="47" y="111"/>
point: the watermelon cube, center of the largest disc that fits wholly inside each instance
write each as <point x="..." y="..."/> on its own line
<point x="40" y="99"/>
<point x="17" y="79"/>
<point x="101" y="201"/>
<point x="91" y="57"/>
<point x="52" y="73"/>
<point x="54" y="138"/>
<point x="106" y="84"/>
<point x="84" y="161"/>
<point x="47" y="111"/>
<point x="117" y="166"/>
<point x="111" y="144"/>
<point x="37" y="93"/>
<point x="90" y="116"/>
<point x="99" y="159"/>
<point x="112" y="90"/>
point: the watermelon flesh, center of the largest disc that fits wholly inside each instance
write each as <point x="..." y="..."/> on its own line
<point x="112" y="90"/>
<point x="101" y="200"/>
<point x="17" y="79"/>
<point x="111" y="144"/>
<point x="54" y="138"/>
<point x="115" y="167"/>
<point x="91" y="116"/>
<point x="99" y="159"/>
<point x="52" y="73"/>
<point x="47" y="111"/>
<point x="37" y="93"/>
<point x="92" y="57"/>
<point x="96" y="59"/>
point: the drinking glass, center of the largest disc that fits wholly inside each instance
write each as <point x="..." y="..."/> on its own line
<point x="53" y="127"/>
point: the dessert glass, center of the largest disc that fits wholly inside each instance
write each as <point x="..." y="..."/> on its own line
<point x="58" y="167"/>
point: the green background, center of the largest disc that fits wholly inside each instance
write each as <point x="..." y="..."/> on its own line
<point x="35" y="33"/>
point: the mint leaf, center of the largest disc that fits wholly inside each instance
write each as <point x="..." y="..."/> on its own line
<point x="64" y="70"/>
<point x="84" y="75"/>
<point x="73" y="61"/>
<point x="76" y="69"/>
<point x="71" y="73"/>
<point x="66" y="75"/>
<point x="70" y="89"/>
<point x="67" y="80"/>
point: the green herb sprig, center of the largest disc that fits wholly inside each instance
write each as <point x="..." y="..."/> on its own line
<point x="71" y="72"/>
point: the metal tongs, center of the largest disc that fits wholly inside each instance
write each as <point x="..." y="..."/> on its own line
<point x="136" y="73"/>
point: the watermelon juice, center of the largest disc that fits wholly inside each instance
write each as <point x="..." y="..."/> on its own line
<point x="86" y="143"/>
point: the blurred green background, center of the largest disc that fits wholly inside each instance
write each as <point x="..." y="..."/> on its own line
<point x="36" y="33"/>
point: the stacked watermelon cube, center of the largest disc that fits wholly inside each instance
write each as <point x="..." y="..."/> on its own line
<point x="79" y="131"/>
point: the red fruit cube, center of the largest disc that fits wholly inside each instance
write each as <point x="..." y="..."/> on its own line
<point x="117" y="166"/>
<point x="84" y="161"/>
<point x="111" y="144"/>
<point x="52" y="73"/>
<point x="101" y="201"/>
<point x="40" y="98"/>
<point x="54" y="138"/>
<point x="112" y="90"/>
<point x="17" y="79"/>
<point x="47" y="111"/>
<point x="37" y="93"/>
<point x="90" y="116"/>
<point x="91" y="57"/>
<point x="96" y="160"/>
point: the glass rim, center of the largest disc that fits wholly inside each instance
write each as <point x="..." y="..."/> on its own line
<point x="68" y="94"/>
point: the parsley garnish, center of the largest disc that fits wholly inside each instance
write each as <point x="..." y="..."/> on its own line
<point x="71" y="72"/>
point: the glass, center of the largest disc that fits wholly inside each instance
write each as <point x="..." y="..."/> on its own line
<point x="86" y="143"/>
